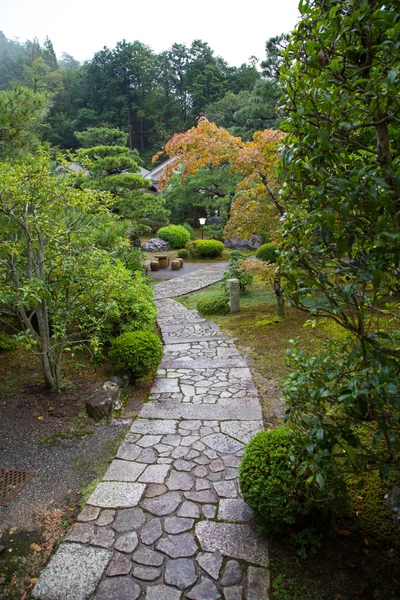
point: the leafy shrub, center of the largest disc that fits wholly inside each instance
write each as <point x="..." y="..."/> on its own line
<point x="218" y="305"/>
<point x="190" y="230"/>
<point x="176" y="235"/>
<point x="236" y="272"/>
<point x="274" y="485"/>
<point x="7" y="343"/>
<point x="267" y="252"/>
<point x="138" y="351"/>
<point x="183" y="253"/>
<point x="205" y="248"/>
<point x="215" y="231"/>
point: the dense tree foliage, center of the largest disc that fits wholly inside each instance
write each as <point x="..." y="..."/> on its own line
<point x="341" y="186"/>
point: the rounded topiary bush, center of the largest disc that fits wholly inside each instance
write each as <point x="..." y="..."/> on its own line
<point x="205" y="248"/>
<point x="267" y="252"/>
<point x="138" y="351"/>
<point x="274" y="486"/>
<point x="183" y="253"/>
<point x="176" y="235"/>
<point x="218" y="305"/>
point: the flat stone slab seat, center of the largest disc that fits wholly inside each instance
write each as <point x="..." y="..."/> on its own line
<point x="168" y="521"/>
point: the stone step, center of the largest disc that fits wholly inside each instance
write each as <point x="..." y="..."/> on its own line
<point x="238" y="411"/>
<point x="194" y="338"/>
<point x="213" y="363"/>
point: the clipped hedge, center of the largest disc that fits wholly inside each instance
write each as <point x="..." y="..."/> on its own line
<point x="176" y="235"/>
<point x="218" y="305"/>
<point x="183" y="253"/>
<point x="267" y="252"/>
<point x="138" y="351"/>
<point x="205" y="248"/>
<point x="274" y="486"/>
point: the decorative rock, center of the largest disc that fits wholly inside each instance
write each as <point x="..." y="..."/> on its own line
<point x="106" y="517"/>
<point x="156" y="245"/>
<point x="189" y="509"/>
<point x="103" y="538"/>
<point x="253" y="243"/>
<point x="234" y="593"/>
<point x="179" y="481"/>
<point x="112" y="387"/>
<point x="129" y="520"/>
<point x="155" y="474"/>
<point x="205" y="590"/>
<point x="123" y="588"/>
<point x="177" y="546"/>
<point x="163" y="505"/>
<point x="150" y="558"/>
<point x="162" y="592"/>
<point x="155" y="489"/>
<point x="222" y="443"/>
<point x="99" y="406"/>
<point x="89" y="513"/>
<point x="177" y="525"/>
<point x="210" y="562"/>
<point x="78" y="567"/>
<point x="236" y="541"/>
<point x="121" y="470"/>
<point x="116" y="494"/>
<point x="180" y="573"/>
<point x="146" y="573"/>
<point x="232" y="573"/>
<point x="234" y="510"/>
<point x="127" y="542"/>
<point x="80" y="532"/>
<point x="119" y="565"/>
<point x="258" y="584"/>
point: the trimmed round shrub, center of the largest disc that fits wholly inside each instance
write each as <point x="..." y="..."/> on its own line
<point x="176" y="235"/>
<point x="218" y="305"/>
<point x="183" y="253"/>
<point x="138" y="351"/>
<point x="205" y="248"/>
<point x="274" y="486"/>
<point x="267" y="252"/>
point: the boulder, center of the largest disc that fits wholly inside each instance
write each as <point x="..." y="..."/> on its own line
<point x="253" y="243"/>
<point x="156" y="245"/>
<point x="99" y="406"/>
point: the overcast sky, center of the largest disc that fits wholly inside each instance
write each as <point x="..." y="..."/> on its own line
<point x="234" y="31"/>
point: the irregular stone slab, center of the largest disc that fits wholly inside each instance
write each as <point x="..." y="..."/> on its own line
<point x="184" y="465"/>
<point x="80" y="532"/>
<point x="153" y="426"/>
<point x="200" y="471"/>
<point x="122" y="470"/>
<point x="208" y="511"/>
<point x="155" y="489"/>
<point x="119" y="565"/>
<point x="202" y="484"/>
<point x="234" y="510"/>
<point x="236" y="541"/>
<point x="103" y="538"/>
<point x="123" y="588"/>
<point x="163" y="505"/>
<point x="73" y="573"/>
<point x="242" y="430"/>
<point x="89" y="513"/>
<point x="162" y="592"/>
<point x="151" y="531"/>
<point x="148" y="456"/>
<point x="210" y="562"/>
<point x="205" y="496"/>
<point x="258" y="584"/>
<point x="205" y="590"/>
<point x="116" y="494"/>
<point x="127" y="542"/>
<point x="232" y="573"/>
<point x="149" y="440"/>
<point x="106" y="517"/>
<point x="224" y="363"/>
<point x="179" y="480"/>
<point x="216" y="465"/>
<point x="222" y="443"/>
<point x="150" y="558"/>
<point x="177" y="525"/>
<point x="165" y="385"/>
<point x="128" y="451"/>
<point x="146" y="573"/>
<point x="234" y="593"/>
<point x="189" y="509"/>
<point x="172" y="439"/>
<point x="129" y="520"/>
<point x="180" y="452"/>
<point x="226" y="489"/>
<point x="180" y="573"/>
<point x="236" y="410"/>
<point x="177" y="546"/>
<point x="155" y="474"/>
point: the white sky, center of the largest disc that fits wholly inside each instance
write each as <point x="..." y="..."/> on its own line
<point x="234" y="31"/>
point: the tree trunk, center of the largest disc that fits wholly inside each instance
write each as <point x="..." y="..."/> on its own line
<point x="279" y="295"/>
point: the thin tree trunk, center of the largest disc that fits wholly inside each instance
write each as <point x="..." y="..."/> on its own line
<point x="279" y="295"/>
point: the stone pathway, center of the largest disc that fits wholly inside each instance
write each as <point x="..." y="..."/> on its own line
<point x="167" y="522"/>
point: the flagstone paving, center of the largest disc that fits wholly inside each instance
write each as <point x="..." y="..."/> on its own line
<point x="168" y="521"/>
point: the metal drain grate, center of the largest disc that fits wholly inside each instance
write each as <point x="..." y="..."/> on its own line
<point x="11" y="483"/>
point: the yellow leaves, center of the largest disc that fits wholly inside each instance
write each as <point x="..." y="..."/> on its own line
<point x="265" y="271"/>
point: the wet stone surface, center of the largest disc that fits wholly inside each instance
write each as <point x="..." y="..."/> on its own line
<point x="168" y="521"/>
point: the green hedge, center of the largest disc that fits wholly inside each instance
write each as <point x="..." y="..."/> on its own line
<point x="267" y="252"/>
<point x="176" y="235"/>
<point x="138" y="351"/>
<point x="218" y="305"/>
<point x="205" y="248"/>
